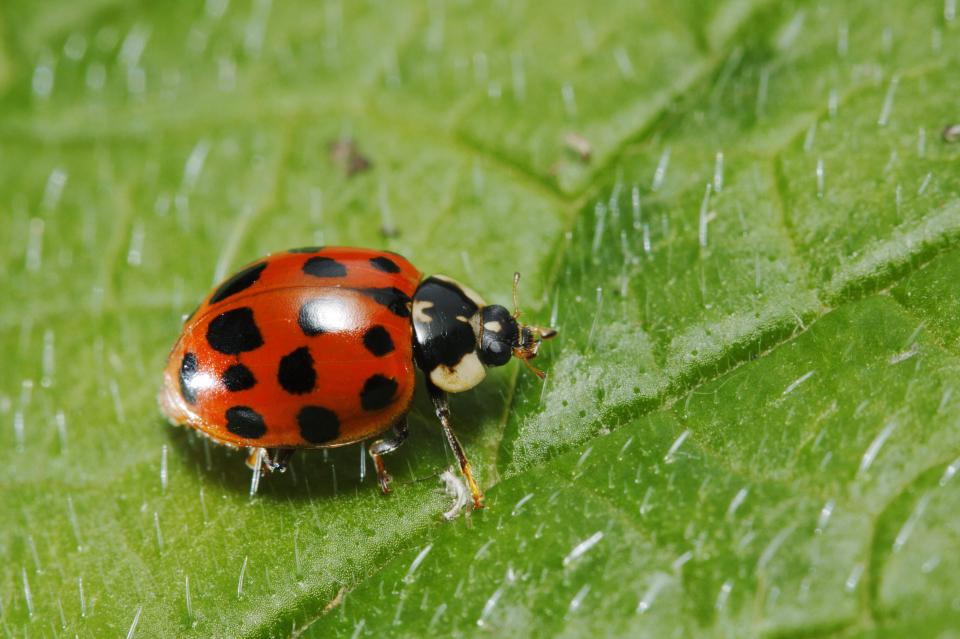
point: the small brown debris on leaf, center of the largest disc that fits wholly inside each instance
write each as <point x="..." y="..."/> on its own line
<point x="345" y="153"/>
<point x="579" y="145"/>
<point x="336" y="601"/>
<point x="951" y="133"/>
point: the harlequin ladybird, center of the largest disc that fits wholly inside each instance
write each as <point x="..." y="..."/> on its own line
<point x="318" y="347"/>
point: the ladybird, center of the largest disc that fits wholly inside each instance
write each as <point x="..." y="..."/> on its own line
<point x="318" y="347"/>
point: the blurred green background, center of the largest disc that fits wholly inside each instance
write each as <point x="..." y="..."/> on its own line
<point x="742" y="215"/>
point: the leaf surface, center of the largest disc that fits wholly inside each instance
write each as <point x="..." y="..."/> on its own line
<point x="741" y="216"/>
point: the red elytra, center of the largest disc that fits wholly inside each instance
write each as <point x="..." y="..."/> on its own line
<point x="342" y="364"/>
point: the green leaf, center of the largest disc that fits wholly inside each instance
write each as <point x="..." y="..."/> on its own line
<point x="741" y="216"/>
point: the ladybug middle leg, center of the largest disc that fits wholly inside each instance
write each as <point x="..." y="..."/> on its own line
<point x="388" y="445"/>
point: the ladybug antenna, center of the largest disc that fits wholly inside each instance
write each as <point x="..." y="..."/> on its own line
<point x="516" y="303"/>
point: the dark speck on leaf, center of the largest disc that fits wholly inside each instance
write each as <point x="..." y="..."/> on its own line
<point x="346" y="155"/>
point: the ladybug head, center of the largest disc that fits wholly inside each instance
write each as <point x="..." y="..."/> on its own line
<point x="457" y="336"/>
<point x="502" y="336"/>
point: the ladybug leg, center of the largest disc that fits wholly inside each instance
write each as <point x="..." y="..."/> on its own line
<point x="253" y="454"/>
<point x="442" y="407"/>
<point x="274" y="460"/>
<point x="388" y="445"/>
<point x="277" y="459"/>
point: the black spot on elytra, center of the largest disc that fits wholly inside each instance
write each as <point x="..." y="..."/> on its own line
<point x="393" y="298"/>
<point x="188" y="372"/>
<point x="324" y="267"/>
<point x="239" y="282"/>
<point x="310" y="317"/>
<point x="234" y="332"/>
<point x="238" y="378"/>
<point x="296" y="374"/>
<point x="245" y="422"/>
<point x="306" y="249"/>
<point x="384" y="264"/>
<point x="378" y="341"/>
<point x="318" y="424"/>
<point x="378" y="392"/>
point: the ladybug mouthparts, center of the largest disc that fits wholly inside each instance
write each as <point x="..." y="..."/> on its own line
<point x="529" y="338"/>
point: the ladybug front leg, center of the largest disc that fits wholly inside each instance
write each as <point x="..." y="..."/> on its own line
<point x="388" y="445"/>
<point x="442" y="407"/>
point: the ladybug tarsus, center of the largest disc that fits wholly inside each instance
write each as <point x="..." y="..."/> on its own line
<point x="383" y="477"/>
<point x="386" y="445"/>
